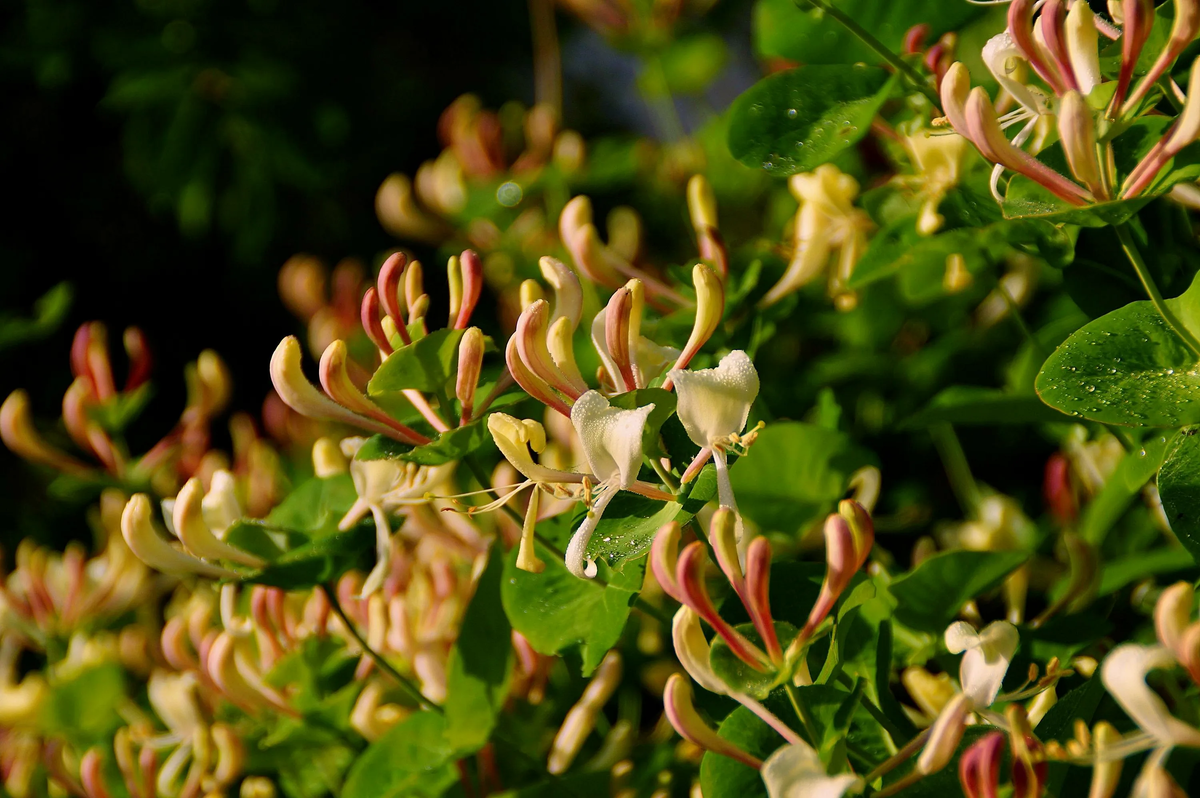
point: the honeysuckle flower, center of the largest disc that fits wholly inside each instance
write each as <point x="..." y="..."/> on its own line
<point x="939" y="162"/>
<point x="612" y="444"/>
<point x="713" y="407"/>
<point x="986" y="657"/>
<point x="826" y="223"/>
<point x="384" y="486"/>
<point x="401" y="215"/>
<point x="1124" y="674"/>
<point x="796" y="771"/>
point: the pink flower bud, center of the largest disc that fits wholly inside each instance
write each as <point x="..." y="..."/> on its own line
<point x="979" y="768"/>
<point x="1139" y="19"/>
<point x="1020" y="27"/>
<point x="689" y="572"/>
<point x="1183" y="31"/>
<point x="470" y="362"/>
<point x="337" y="383"/>
<point x="532" y="384"/>
<point x="472" y="287"/>
<point x="372" y="324"/>
<point x="984" y="131"/>
<point x="1078" y="132"/>
<point x="20" y="436"/>
<point x="664" y="559"/>
<point x="531" y="335"/>
<point x="1052" y="21"/>
<point x="681" y="712"/>
<point x="757" y="595"/>
<point x="140" y="360"/>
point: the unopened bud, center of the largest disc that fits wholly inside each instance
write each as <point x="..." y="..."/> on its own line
<point x="531" y="291"/>
<point x="20" y="436"/>
<point x="624" y="232"/>
<point x="1078" y="132"/>
<point x="1082" y="47"/>
<point x="140" y="360"/>
<point x="231" y="755"/>
<point x="472" y="287"/>
<point x="400" y="214"/>
<point x="257" y="787"/>
<point x="956" y="88"/>
<point x="944" y="736"/>
<point x="568" y="294"/>
<point x="581" y="239"/>
<point x="581" y="719"/>
<point x="194" y="533"/>
<point x="470" y="363"/>
<point x="681" y="712"/>
<point x="722" y="535"/>
<point x="335" y="378"/>
<point x="979" y="768"/>
<point x="414" y="286"/>
<point x="710" y="309"/>
<point x="328" y="460"/>
<point x="664" y="558"/>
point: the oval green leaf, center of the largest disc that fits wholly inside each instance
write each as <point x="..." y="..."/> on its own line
<point x="797" y="120"/>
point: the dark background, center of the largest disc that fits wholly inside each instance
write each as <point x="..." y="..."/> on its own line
<point x="165" y="157"/>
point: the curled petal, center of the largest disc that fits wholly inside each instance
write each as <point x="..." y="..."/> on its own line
<point x="986" y="657"/>
<point x="611" y="438"/>
<point x="515" y="437"/>
<point x="715" y="403"/>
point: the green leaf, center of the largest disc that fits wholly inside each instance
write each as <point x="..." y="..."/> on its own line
<point x="320" y="560"/>
<point x="970" y="404"/>
<point x="1026" y="199"/>
<point x="425" y="365"/>
<point x="1128" y="367"/>
<point x="1123" y="571"/>
<point x="900" y="249"/>
<point x="628" y="527"/>
<point x="315" y="507"/>
<point x="1179" y="486"/>
<point x="412" y="759"/>
<point x="734" y="672"/>
<point x="799" y="32"/>
<point x="49" y="311"/>
<point x="480" y="664"/>
<point x="794" y="475"/>
<point x="85" y="708"/>
<point x="930" y="596"/>
<point x="794" y="121"/>
<point x="556" y="610"/>
<point x="453" y="444"/>
<point x="721" y="775"/>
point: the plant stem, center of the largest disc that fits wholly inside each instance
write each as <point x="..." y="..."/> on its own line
<point x="962" y="481"/>
<point x="895" y="61"/>
<point x="1156" y="298"/>
<point x="810" y="728"/>
<point x="1014" y="310"/>
<point x="405" y="683"/>
<point x="898" y="758"/>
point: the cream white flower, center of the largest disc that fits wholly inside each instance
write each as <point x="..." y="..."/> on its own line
<point x="384" y="486"/>
<point x="795" y="771"/>
<point x="1124" y="674"/>
<point x="985" y="662"/>
<point x="611" y="439"/>
<point x="713" y="407"/>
